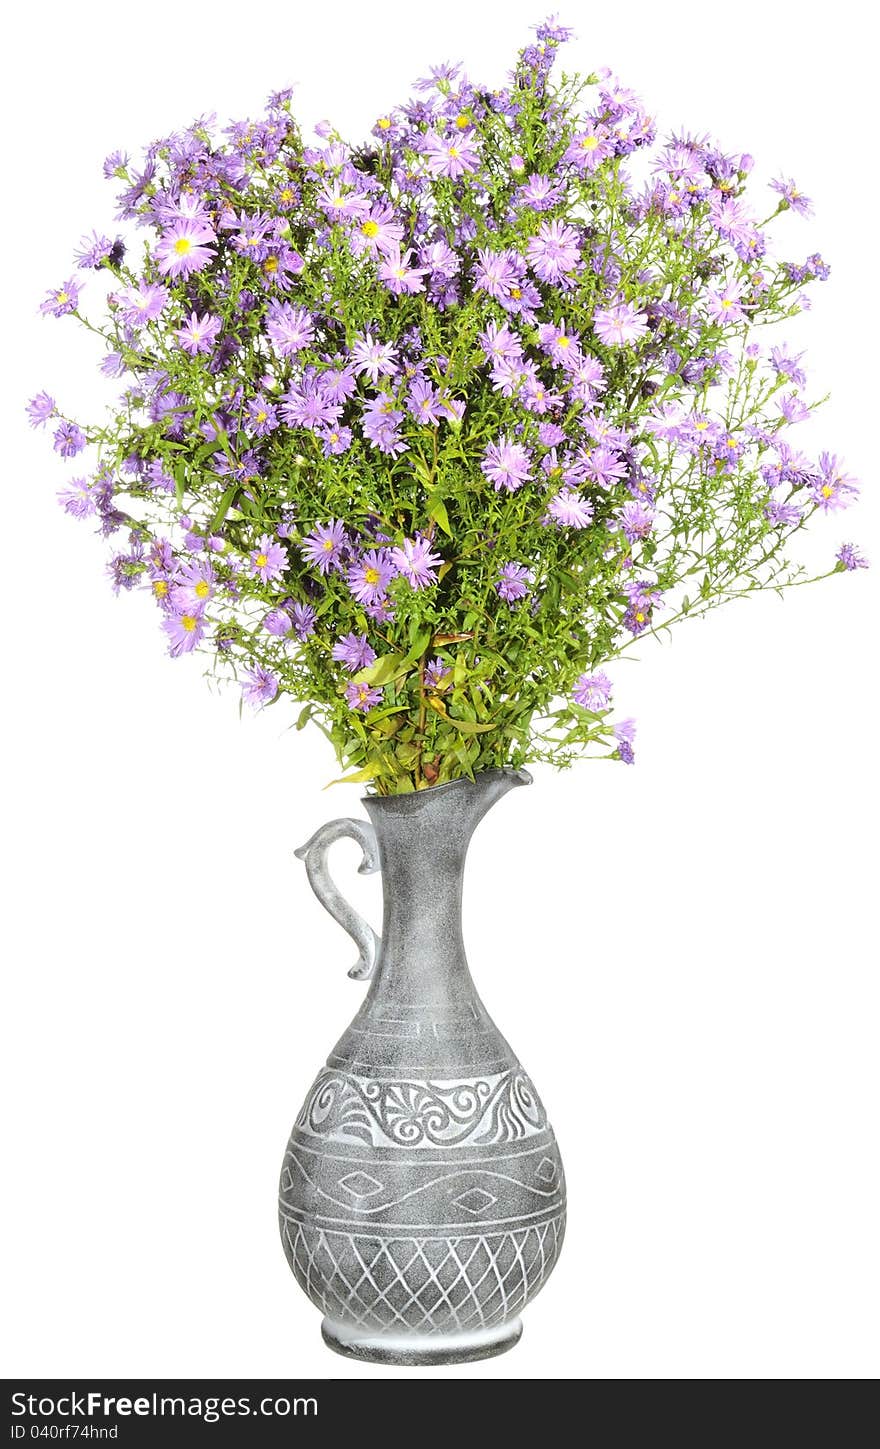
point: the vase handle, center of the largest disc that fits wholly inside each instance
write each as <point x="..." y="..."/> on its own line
<point x="314" y="854"/>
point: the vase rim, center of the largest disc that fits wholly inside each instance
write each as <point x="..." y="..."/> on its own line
<point x="520" y="777"/>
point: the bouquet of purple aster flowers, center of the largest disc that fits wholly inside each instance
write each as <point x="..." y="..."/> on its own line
<point x="425" y="433"/>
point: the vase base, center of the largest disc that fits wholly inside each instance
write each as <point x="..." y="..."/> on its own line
<point x="414" y="1349"/>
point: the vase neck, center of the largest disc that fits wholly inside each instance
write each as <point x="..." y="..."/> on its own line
<point x="422" y="988"/>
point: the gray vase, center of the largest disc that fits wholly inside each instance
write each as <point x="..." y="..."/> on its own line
<point x="422" y="1199"/>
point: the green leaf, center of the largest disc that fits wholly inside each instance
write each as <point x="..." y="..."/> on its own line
<point x="437" y="511"/>
<point x="369" y="772"/>
<point x="223" y="508"/>
<point x="472" y="726"/>
<point x="385" y="669"/>
<point x="179" y="484"/>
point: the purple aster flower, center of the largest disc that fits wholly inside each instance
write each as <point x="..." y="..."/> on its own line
<point x="788" y="367"/>
<point x="95" y="249"/>
<point x="61" y="300"/>
<point x="40" y="409"/>
<point x="782" y="515"/>
<point x="261" y="415"/>
<point x="452" y="155"/>
<point x="277" y="622"/>
<point x="113" y="365"/>
<point x="425" y="403"/>
<point x="307" y="406"/>
<point x="507" y="465"/>
<point x="335" y="440"/>
<point x="793" y="408"/>
<point x="569" y="509"/>
<point x="185" y="631"/>
<point x="259" y="687"/>
<point x="69" y="440"/>
<point x="643" y="598"/>
<point x="304" y="618"/>
<point x="550" y="435"/>
<point x="436" y="674"/>
<point x="554" y="251"/>
<point x="372" y="358"/>
<point x="539" y="193"/>
<point x="80" y="498"/>
<point x="849" y="556"/>
<point x="198" y="334"/>
<point x="354" y="652"/>
<point x="791" y="196"/>
<point x="833" y="488"/>
<point x="724" y="302"/>
<point x="290" y="329"/>
<point x="185" y="247"/>
<point x="338" y="383"/>
<point x="143" y="303"/>
<point x="562" y="346"/>
<point x="323" y="546"/>
<point x="416" y="563"/>
<point x="513" y="581"/>
<point x="380" y="424"/>
<point x="593" y="691"/>
<point x="499" y="343"/>
<point x="194" y="586"/>
<point x="399" y="276"/>
<point x="620" y="324"/>
<point x="268" y="559"/>
<point x="378" y="231"/>
<point x="362" y="697"/>
<point x="370" y="575"/>
<point x="495" y="274"/>
<point x="589" y="147"/>
<point x="625" y="733"/>
<point x="604" y="466"/>
<point x="115" y="163"/>
<point x="635" y="520"/>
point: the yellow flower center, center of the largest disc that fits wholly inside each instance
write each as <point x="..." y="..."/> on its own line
<point x="160" y="588"/>
<point x="262" y="416"/>
<point x="261" y="560"/>
<point x="62" y="297"/>
<point x="516" y="293"/>
<point x="327" y="545"/>
<point x="370" y="228"/>
<point x="286" y="195"/>
<point x="188" y="622"/>
<point x="202" y="589"/>
<point x="726" y="302"/>
<point x="182" y="246"/>
<point x="589" y="143"/>
<point x="333" y="437"/>
<point x="270" y="265"/>
<point x="384" y="123"/>
<point x="640" y="617"/>
<point x="827" y="491"/>
<point x="371" y="575"/>
<point x="452" y="152"/>
<point x="563" y="341"/>
<point x="463" y="121"/>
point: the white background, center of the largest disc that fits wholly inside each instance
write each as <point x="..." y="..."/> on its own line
<point x="683" y="953"/>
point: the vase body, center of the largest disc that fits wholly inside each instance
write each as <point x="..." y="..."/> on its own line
<point x="422" y="1199"/>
